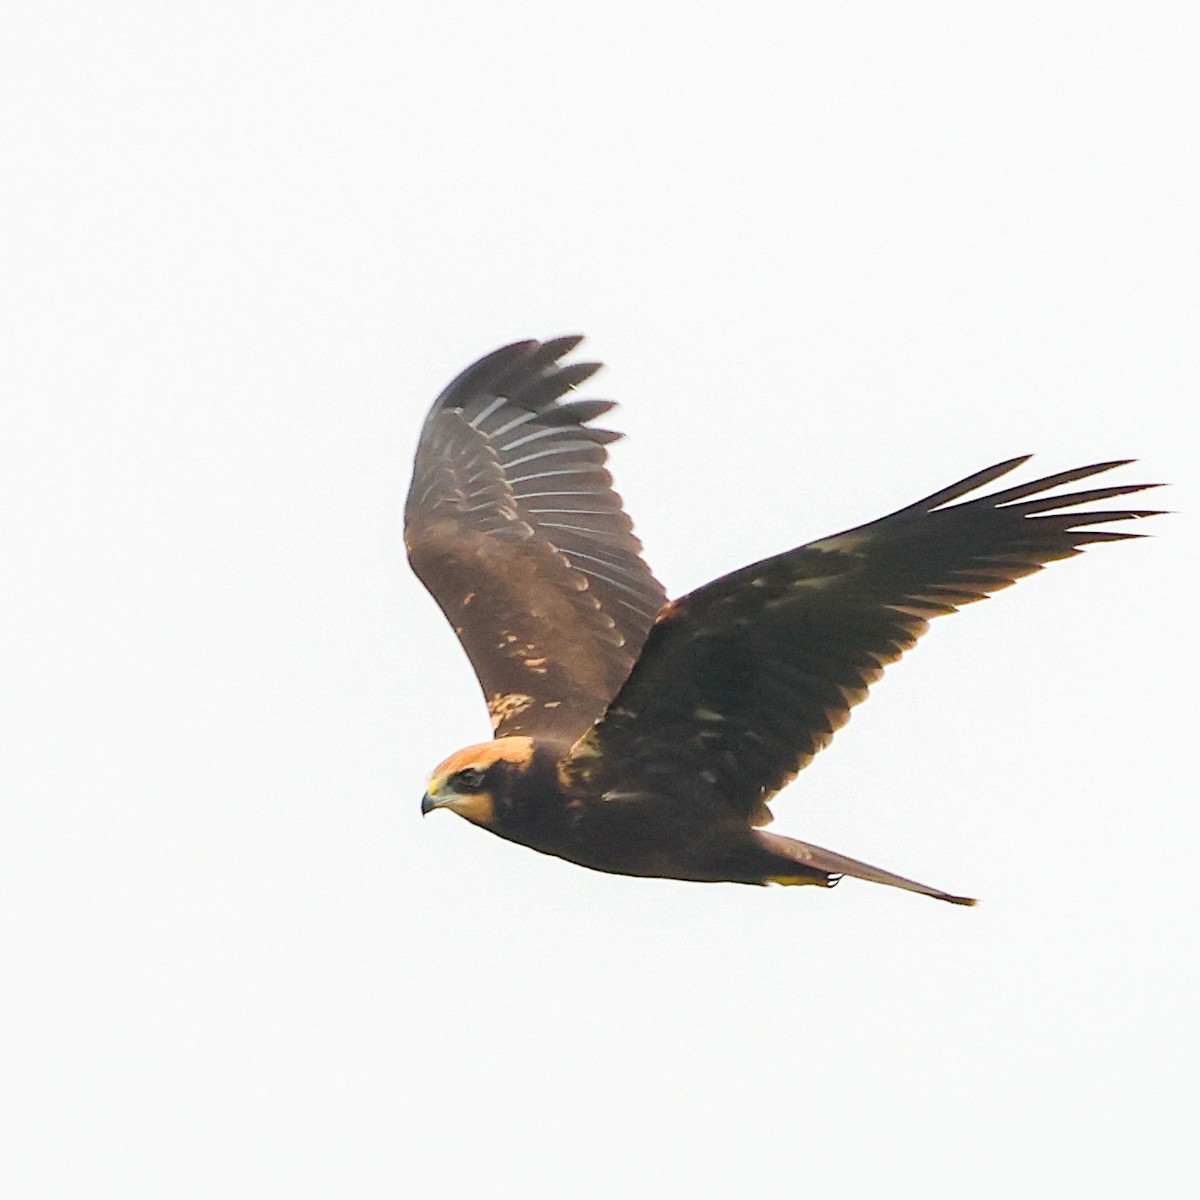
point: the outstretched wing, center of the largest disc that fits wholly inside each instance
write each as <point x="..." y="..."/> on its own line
<point x="513" y="526"/>
<point x="743" y="681"/>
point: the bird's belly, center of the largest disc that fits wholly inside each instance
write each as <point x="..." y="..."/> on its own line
<point x="656" y="842"/>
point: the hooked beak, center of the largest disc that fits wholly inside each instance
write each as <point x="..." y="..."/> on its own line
<point x="476" y="807"/>
<point x="437" y="796"/>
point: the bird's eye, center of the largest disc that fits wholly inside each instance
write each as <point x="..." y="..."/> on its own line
<point x="468" y="780"/>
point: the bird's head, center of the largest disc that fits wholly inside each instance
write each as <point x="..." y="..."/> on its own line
<point x="469" y="782"/>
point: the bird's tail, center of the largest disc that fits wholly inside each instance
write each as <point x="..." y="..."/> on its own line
<point x="786" y="851"/>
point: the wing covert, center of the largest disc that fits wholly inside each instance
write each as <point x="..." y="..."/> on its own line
<point x="743" y="681"/>
<point x="513" y="526"/>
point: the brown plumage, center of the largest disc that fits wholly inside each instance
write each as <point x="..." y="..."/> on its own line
<point x="645" y="738"/>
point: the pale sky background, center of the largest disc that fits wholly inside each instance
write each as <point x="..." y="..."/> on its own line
<point x="837" y="256"/>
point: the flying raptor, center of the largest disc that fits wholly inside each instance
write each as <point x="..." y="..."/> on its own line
<point x="643" y="737"/>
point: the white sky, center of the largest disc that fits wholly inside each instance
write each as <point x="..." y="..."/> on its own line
<point x="837" y="255"/>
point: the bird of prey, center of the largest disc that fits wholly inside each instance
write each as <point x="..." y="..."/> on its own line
<point x="642" y="737"/>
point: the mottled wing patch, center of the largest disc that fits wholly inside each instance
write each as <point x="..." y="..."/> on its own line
<point x="505" y="707"/>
